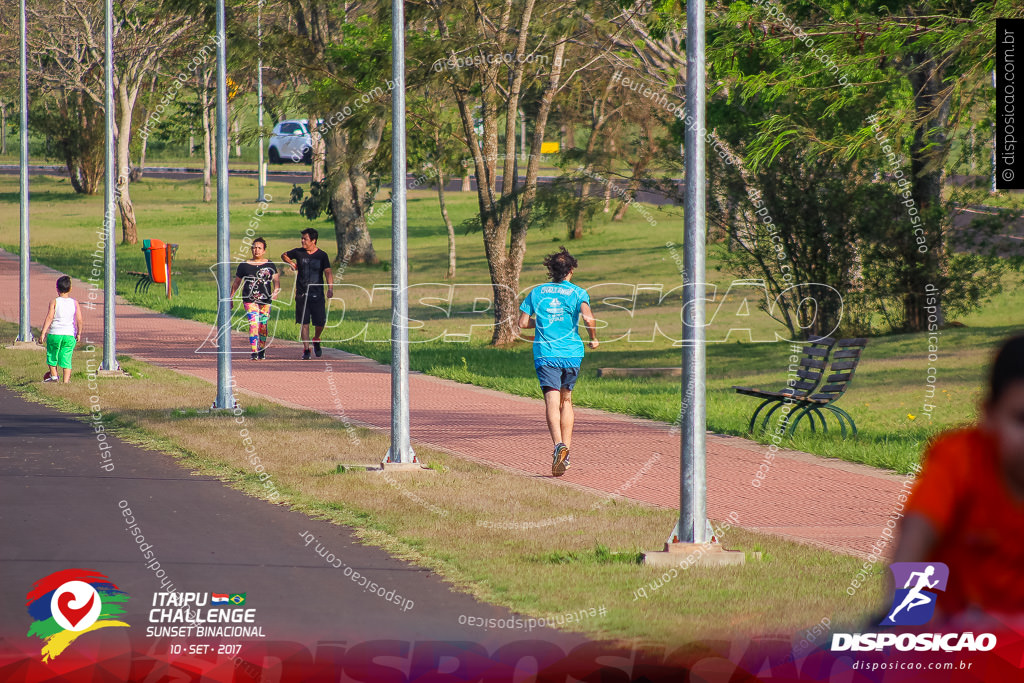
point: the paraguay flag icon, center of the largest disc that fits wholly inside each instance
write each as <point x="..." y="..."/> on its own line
<point x="69" y="603"/>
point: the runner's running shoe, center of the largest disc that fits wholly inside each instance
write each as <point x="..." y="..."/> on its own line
<point x="558" y="465"/>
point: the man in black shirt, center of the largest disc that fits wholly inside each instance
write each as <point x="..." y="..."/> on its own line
<point x="312" y="267"/>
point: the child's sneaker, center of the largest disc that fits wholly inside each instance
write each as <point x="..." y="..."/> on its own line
<point x="50" y="378"/>
<point x="255" y="356"/>
<point x="262" y="355"/>
<point x="558" y="465"/>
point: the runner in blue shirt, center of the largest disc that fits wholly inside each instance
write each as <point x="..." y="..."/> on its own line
<point x="557" y="346"/>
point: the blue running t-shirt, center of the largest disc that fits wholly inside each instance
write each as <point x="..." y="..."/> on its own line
<point x="556" y="307"/>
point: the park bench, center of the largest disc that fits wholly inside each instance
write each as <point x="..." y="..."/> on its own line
<point x="812" y="365"/>
<point x="162" y="254"/>
<point x="815" y="390"/>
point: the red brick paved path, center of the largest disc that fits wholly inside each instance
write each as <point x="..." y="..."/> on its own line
<point x="833" y="504"/>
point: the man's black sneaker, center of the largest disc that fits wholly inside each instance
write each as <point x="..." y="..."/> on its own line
<point x="305" y="355"/>
<point x="317" y="350"/>
<point x="262" y="354"/>
<point x="558" y="462"/>
<point x="255" y="356"/>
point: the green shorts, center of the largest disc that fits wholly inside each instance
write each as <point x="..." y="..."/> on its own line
<point x="58" y="350"/>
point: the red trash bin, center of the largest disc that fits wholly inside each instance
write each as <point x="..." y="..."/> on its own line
<point x="159" y="260"/>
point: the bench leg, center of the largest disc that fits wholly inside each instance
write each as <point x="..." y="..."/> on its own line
<point x="810" y="418"/>
<point x="768" y="415"/>
<point x="839" y="419"/>
<point x="840" y="415"/>
<point x="805" y="410"/>
<point x="821" y="416"/>
<point x="753" y="418"/>
<point x="144" y="283"/>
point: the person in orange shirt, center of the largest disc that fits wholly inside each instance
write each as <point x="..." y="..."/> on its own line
<point x="967" y="507"/>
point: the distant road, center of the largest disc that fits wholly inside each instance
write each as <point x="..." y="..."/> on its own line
<point x="303" y="177"/>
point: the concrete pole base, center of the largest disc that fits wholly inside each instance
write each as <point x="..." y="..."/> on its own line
<point x="24" y="345"/>
<point x="695" y="554"/>
<point x="402" y="467"/>
<point x="113" y="373"/>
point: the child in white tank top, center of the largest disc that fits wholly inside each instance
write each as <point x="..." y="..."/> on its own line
<point x="61" y="330"/>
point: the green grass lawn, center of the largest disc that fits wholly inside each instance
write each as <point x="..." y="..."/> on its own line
<point x="444" y="520"/>
<point x="886" y="397"/>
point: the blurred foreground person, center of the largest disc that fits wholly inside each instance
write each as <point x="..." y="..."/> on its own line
<point x="967" y="507"/>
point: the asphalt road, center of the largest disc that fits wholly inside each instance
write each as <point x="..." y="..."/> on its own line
<point x="300" y="174"/>
<point x="61" y="510"/>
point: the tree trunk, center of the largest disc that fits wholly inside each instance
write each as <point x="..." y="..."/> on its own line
<point x="608" y="185"/>
<point x="142" y="156"/>
<point x="238" y="147"/>
<point x="70" y="159"/>
<point x="204" y="103"/>
<point x="624" y="203"/>
<point x="504" y="220"/>
<point x="466" y="186"/>
<point x="928" y="150"/>
<point x="317" y="152"/>
<point x="191" y="146"/>
<point x="129" y="232"/>
<point x="3" y="128"/>
<point x="348" y="164"/>
<point x="90" y="166"/>
<point x="597" y="123"/>
<point x="576" y="233"/>
<point x="74" y="174"/>
<point x="506" y="269"/>
<point x="144" y="115"/>
<point x="450" y="275"/>
<point x="637" y="172"/>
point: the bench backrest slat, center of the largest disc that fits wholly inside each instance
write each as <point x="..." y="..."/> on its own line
<point x="814" y="361"/>
<point x="845" y="359"/>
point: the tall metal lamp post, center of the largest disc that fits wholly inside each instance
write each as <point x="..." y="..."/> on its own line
<point x="225" y="397"/>
<point x="24" y="325"/>
<point x="109" y="364"/>
<point x="401" y="447"/>
<point x="692" y="535"/>
<point x="261" y="177"/>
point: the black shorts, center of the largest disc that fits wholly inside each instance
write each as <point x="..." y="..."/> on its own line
<point x="310" y="310"/>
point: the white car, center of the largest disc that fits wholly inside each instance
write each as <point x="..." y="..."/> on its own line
<point x="290" y="141"/>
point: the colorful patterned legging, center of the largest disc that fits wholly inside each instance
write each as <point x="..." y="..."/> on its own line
<point x="258" y="314"/>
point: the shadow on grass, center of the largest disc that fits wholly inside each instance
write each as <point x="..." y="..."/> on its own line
<point x="46" y="196"/>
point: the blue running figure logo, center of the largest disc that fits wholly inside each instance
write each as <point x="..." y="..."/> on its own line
<point x="914" y="603"/>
